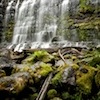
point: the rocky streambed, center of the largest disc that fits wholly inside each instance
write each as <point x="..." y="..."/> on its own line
<point x="61" y="74"/>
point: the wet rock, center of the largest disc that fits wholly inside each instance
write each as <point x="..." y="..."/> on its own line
<point x="56" y="39"/>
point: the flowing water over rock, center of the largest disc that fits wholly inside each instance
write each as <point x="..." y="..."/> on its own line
<point x="36" y="21"/>
<point x="39" y="22"/>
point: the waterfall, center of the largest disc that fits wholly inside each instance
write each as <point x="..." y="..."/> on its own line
<point x="38" y="23"/>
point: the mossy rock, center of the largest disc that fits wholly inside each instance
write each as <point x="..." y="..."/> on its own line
<point x="42" y="71"/>
<point x="39" y="56"/>
<point x="56" y="80"/>
<point x="84" y="79"/>
<point x="51" y="93"/>
<point x="64" y="73"/>
<point x="45" y="69"/>
<point x="37" y="70"/>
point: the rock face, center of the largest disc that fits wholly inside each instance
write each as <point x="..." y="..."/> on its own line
<point x="83" y="21"/>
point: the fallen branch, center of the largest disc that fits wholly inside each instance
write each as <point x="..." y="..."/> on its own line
<point x="44" y="88"/>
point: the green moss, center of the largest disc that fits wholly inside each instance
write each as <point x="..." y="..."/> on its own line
<point x="27" y="68"/>
<point x="65" y="95"/>
<point x="76" y="96"/>
<point x="34" y="96"/>
<point x="52" y="93"/>
<point x="85" y="6"/>
<point x="42" y="70"/>
<point x="95" y="62"/>
<point x="38" y="56"/>
<point x="75" y="66"/>
<point x="84" y="78"/>
<point x="57" y="79"/>
<point x="82" y="34"/>
<point x="91" y="23"/>
<point x="45" y="69"/>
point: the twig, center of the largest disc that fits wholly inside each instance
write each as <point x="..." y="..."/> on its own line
<point x="44" y="88"/>
<point x="59" y="52"/>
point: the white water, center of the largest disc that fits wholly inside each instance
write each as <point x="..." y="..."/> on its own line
<point x="37" y="22"/>
<point x="65" y="6"/>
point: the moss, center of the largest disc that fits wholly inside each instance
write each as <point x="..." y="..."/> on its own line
<point x="41" y="71"/>
<point x="38" y="56"/>
<point x="76" y="96"/>
<point x="91" y="23"/>
<point x="75" y="66"/>
<point x="34" y="96"/>
<point x="84" y="78"/>
<point x="65" y="95"/>
<point x="27" y="68"/>
<point x="82" y="34"/>
<point x="95" y="62"/>
<point x="45" y="69"/>
<point x="57" y="79"/>
<point x="52" y="93"/>
<point x="85" y="6"/>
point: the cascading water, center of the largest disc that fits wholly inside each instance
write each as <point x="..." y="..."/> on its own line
<point x="37" y="23"/>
